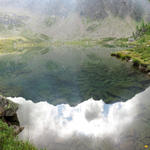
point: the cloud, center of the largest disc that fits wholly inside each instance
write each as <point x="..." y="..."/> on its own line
<point x="86" y="126"/>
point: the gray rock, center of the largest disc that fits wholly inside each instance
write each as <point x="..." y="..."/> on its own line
<point x="9" y="108"/>
<point x="8" y="114"/>
<point x="131" y="39"/>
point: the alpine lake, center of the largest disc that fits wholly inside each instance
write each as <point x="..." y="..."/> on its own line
<point x="69" y="75"/>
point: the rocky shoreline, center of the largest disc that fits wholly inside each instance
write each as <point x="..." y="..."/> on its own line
<point x="142" y="67"/>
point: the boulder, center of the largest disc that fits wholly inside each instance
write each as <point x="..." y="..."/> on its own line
<point x="8" y="114"/>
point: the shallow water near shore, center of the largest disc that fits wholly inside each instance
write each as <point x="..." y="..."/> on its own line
<point x="69" y="75"/>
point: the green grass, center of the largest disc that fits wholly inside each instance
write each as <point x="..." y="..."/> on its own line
<point x="83" y="42"/>
<point x="109" y="42"/>
<point x="8" y="140"/>
<point x="20" y="43"/>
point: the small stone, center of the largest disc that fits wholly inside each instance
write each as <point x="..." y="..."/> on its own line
<point x="18" y="129"/>
<point x="131" y="39"/>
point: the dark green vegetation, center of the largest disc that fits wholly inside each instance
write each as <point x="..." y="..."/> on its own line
<point x="99" y="80"/>
<point x="139" y="53"/>
<point x="8" y="140"/>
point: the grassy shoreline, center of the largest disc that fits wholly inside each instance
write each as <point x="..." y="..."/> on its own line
<point x="139" y="51"/>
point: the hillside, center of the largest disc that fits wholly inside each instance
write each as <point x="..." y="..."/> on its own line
<point x="69" y="20"/>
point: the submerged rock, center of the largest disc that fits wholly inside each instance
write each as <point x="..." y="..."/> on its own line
<point x="8" y="114"/>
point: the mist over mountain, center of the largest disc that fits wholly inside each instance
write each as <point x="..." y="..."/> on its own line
<point x="70" y="19"/>
<point x="51" y="7"/>
<point x="96" y="9"/>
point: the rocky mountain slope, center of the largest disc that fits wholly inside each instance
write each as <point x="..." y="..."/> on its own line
<point x="65" y="20"/>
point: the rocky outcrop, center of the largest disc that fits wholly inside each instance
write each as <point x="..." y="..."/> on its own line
<point x="8" y="114"/>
